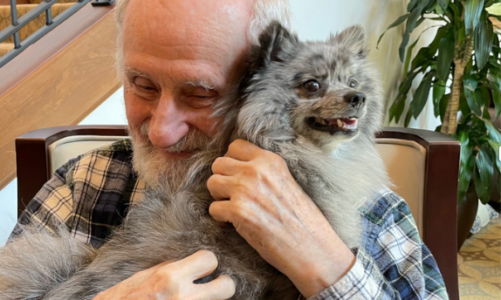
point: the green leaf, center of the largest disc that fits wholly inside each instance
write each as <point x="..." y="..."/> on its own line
<point x="457" y="15"/>
<point x="496" y="99"/>
<point x="495" y="48"/>
<point x="443" y="106"/>
<point x="408" y="117"/>
<point x="466" y="165"/>
<point x="412" y="4"/>
<point x="412" y="22"/>
<point x="438" y="93"/>
<point x="406" y="85"/>
<point x="470" y="83"/>
<point x="461" y="35"/>
<point x="484" y="94"/>
<point x="397" y="108"/>
<point x="473" y="10"/>
<point x="408" y="56"/>
<point x="422" y="59"/>
<point x="474" y="101"/>
<point x="484" y="38"/>
<point x="495" y="147"/>
<point x="441" y="32"/>
<point x="401" y="49"/>
<point x="485" y="167"/>
<point x="463" y="105"/>
<point x="493" y="132"/>
<point x="421" y="95"/>
<point x="400" y="109"/>
<point x="394" y="24"/>
<point x="443" y="4"/>
<point x="445" y="55"/>
<point x="495" y="87"/>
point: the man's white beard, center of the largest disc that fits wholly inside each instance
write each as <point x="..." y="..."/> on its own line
<point x="156" y="170"/>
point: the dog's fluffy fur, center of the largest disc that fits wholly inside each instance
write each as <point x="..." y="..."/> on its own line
<point x="339" y="170"/>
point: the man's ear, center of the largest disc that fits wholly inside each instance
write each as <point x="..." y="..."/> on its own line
<point x="276" y="43"/>
<point x="353" y="38"/>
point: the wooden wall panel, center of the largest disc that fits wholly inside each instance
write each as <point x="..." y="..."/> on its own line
<point x="61" y="92"/>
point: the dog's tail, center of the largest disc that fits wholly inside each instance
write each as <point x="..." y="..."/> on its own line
<point x="37" y="261"/>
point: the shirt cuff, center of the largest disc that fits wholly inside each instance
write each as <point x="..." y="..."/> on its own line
<point x="362" y="281"/>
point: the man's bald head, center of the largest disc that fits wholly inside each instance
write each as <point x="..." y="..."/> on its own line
<point x="262" y="12"/>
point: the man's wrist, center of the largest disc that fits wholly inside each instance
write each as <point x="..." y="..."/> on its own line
<point x="316" y="278"/>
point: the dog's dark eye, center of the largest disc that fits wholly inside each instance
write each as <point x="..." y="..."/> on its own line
<point x="311" y="86"/>
<point x="353" y="83"/>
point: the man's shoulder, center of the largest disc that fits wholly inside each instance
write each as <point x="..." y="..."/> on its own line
<point x="386" y="205"/>
<point x="119" y="151"/>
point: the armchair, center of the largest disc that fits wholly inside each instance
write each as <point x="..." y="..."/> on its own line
<point x="423" y="166"/>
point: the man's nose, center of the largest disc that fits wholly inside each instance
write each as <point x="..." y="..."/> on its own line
<point x="168" y="123"/>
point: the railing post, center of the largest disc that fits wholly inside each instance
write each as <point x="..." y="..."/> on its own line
<point x="13" y="14"/>
<point x="48" y="17"/>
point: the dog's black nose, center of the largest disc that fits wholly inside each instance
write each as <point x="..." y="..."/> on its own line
<point x="355" y="98"/>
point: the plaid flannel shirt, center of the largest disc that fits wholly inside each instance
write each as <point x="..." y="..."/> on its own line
<point x="92" y="193"/>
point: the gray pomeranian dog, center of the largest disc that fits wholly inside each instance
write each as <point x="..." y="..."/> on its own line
<point x="316" y="104"/>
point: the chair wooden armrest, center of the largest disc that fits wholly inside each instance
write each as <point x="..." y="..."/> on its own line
<point x="440" y="197"/>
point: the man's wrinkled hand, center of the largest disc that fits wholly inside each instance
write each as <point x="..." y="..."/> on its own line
<point x="255" y="191"/>
<point x="174" y="280"/>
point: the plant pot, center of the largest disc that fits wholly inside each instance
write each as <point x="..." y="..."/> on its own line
<point x="467" y="211"/>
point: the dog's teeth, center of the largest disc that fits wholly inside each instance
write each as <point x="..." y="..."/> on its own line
<point x="339" y="123"/>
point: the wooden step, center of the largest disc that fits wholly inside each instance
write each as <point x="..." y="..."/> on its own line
<point x="33" y="26"/>
<point x="5" y="47"/>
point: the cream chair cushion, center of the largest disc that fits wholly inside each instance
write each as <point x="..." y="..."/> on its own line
<point x="405" y="163"/>
<point x="404" y="159"/>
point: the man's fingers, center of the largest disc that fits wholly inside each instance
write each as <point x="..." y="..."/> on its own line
<point x="220" y="288"/>
<point x="221" y="211"/>
<point x="197" y="265"/>
<point x="219" y="186"/>
<point x="243" y="150"/>
<point x="226" y="166"/>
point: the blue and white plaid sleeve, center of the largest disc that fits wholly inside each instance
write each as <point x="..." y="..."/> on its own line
<point x="392" y="262"/>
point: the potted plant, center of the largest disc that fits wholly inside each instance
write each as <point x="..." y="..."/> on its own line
<point x="461" y="68"/>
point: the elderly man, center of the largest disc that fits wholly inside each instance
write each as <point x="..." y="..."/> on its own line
<point x="176" y="59"/>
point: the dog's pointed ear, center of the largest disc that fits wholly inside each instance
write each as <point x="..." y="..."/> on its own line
<point x="353" y="38"/>
<point x="276" y="43"/>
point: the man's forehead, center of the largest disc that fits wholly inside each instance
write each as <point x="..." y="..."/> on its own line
<point x="188" y="39"/>
<point x="171" y="13"/>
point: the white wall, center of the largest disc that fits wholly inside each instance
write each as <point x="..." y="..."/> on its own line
<point x="314" y="19"/>
<point x="110" y="112"/>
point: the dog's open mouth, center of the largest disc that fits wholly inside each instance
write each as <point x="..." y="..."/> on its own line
<point x="332" y="126"/>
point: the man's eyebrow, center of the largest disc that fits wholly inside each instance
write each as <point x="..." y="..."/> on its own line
<point x="203" y="84"/>
<point x="134" y="72"/>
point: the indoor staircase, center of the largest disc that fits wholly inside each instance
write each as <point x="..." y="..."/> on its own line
<point x="59" y="78"/>
<point x="37" y="23"/>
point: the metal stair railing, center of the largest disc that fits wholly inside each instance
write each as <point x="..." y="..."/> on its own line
<point x="17" y="24"/>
